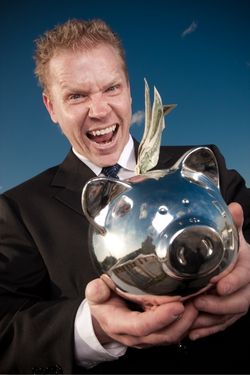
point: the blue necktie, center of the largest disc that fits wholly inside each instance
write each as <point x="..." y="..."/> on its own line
<point x="111" y="171"/>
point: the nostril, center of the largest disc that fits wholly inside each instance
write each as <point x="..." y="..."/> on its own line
<point x="206" y="247"/>
<point x="182" y="256"/>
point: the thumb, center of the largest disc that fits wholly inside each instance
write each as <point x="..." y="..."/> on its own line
<point x="237" y="214"/>
<point x="97" y="292"/>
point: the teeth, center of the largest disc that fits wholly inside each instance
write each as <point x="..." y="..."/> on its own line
<point x="103" y="131"/>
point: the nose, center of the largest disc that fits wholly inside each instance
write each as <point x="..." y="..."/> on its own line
<point x="196" y="251"/>
<point x="98" y="107"/>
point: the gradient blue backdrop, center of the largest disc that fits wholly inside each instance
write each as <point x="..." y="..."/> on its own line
<point x="197" y="54"/>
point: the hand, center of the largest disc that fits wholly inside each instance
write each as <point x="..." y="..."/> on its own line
<point x="114" y="321"/>
<point x="230" y="299"/>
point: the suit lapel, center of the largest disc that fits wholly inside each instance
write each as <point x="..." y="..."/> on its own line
<point x="69" y="180"/>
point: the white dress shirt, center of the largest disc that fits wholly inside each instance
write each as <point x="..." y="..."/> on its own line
<point x="88" y="350"/>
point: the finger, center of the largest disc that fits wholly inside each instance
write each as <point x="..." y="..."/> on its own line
<point x="170" y="334"/>
<point x="235" y="303"/>
<point x="97" y="292"/>
<point x="237" y="214"/>
<point x="225" y="284"/>
<point x="240" y="275"/>
<point x="175" y="332"/>
<point x="182" y="325"/>
<point x="144" y="323"/>
<point x="208" y="320"/>
<point x="208" y="331"/>
<point x="237" y="278"/>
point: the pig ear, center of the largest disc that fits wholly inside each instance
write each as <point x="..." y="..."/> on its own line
<point x="97" y="194"/>
<point x="201" y="160"/>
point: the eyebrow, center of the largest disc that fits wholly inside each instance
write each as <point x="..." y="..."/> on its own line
<point x="74" y="89"/>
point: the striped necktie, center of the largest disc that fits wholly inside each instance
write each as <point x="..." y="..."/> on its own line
<point x="111" y="171"/>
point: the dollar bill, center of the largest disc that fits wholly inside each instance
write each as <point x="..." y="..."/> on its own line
<point x="149" y="148"/>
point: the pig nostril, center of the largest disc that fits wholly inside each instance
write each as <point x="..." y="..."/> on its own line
<point x="202" y="251"/>
<point x="207" y="247"/>
<point x="181" y="256"/>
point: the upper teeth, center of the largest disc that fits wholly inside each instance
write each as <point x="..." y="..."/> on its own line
<point x="103" y="131"/>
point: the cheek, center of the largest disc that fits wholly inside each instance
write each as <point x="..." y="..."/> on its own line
<point x="70" y="120"/>
<point x="129" y="115"/>
<point x="126" y="111"/>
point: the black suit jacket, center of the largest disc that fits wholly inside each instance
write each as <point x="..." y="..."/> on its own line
<point x="45" y="266"/>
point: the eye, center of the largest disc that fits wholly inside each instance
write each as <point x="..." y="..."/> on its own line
<point x="75" y="97"/>
<point x="163" y="210"/>
<point x="113" y="89"/>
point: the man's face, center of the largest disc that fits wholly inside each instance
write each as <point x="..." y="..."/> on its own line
<point x="89" y="97"/>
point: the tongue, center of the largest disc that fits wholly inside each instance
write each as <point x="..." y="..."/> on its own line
<point x="101" y="138"/>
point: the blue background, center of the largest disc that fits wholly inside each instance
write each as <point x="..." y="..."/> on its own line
<point x="197" y="54"/>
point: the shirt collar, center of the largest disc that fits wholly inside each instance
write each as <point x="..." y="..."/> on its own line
<point x="126" y="160"/>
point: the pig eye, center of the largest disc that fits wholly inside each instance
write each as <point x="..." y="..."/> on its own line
<point x="163" y="210"/>
<point x="124" y="205"/>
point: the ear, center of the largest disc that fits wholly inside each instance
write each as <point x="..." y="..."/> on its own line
<point x="201" y="160"/>
<point x="49" y="105"/>
<point x="96" y="195"/>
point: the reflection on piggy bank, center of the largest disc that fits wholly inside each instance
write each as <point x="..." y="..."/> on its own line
<point x="163" y="233"/>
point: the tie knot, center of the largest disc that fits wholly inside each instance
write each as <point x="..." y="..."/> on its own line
<point x="111" y="171"/>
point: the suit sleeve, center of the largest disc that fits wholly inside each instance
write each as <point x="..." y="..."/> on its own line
<point x="233" y="189"/>
<point x="36" y="331"/>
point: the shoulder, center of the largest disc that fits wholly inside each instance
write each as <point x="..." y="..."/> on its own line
<point x="181" y="149"/>
<point x="42" y="181"/>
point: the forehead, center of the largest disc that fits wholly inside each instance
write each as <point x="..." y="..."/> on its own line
<point x="83" y="66"/>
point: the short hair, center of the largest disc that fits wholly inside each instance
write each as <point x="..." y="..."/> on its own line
<point x="73" y="35"/>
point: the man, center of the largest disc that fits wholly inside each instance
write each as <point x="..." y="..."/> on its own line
<point x="47" y="324"/>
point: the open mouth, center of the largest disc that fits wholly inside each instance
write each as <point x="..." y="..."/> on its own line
<point x="103" y="136"/>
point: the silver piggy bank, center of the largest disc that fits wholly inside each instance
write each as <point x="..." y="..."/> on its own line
<point x="167" y="232"/>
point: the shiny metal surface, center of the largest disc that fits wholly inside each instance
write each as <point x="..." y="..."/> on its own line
<point x="163" y="233"/>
